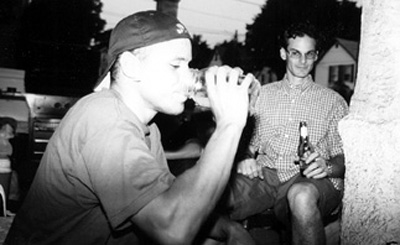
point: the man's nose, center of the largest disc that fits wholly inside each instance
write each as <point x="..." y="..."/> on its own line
<point x="303" y="59"/>
<point x="188" y="78"/>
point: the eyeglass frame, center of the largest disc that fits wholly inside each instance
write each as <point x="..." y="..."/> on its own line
<point x="293" y="56"/>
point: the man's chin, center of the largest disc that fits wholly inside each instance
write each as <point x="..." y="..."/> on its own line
<point x="302" y="74"/>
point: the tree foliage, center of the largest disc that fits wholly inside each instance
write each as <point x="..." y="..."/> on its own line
<point x="72" y="22"/>
<point x="349" y="21"/>
<point x="55" y="44"/>
<point x="6" y="11"/>
<point x="333" y="19"/>
<point x="201" y="53"/>
<point x="231" y="53"/>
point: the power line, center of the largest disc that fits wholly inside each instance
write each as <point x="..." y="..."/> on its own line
<point x="211" y="14"/>
<point x="198" y="29"/>
<point x="114" y="14"/>
<point x="248" y="2"/>
<point x="213" y="31"/>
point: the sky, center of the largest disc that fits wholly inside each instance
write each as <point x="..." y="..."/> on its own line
<point x="215" y="20"/>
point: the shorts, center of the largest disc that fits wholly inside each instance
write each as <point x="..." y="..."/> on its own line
<point x="246" y="197"/>
<point x="329" y="198"/>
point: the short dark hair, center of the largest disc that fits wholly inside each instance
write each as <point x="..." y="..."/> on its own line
<point x="299" y="29"/>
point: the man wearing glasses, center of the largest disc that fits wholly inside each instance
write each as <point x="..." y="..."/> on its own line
<point x="269" y="176"/>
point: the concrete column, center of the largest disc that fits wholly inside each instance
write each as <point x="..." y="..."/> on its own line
<point x="371" y="132"/>
<point x="168" y="6"/>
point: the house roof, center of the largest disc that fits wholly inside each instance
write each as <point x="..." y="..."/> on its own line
<point x="350" y="46"/>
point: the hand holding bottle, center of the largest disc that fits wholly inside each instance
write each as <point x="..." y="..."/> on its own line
<point x="304" y="149"/>
<point x="198" y="88"/>
<point x="316" y="166"/>
<point x="312" y="165"/>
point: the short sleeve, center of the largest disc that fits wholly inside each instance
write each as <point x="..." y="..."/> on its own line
<point x="124" y="173"/>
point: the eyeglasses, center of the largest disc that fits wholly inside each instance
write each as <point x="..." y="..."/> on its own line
<point x="295" y="54"/>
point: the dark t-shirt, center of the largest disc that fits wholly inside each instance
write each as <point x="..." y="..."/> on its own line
<point x="100" y="168"/>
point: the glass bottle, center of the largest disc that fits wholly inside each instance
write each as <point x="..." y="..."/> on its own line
<point x="304" y="148"/>
<point x="198" y="90"/>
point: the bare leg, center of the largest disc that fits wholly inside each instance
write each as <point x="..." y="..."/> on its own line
<point x="307" y="225"/>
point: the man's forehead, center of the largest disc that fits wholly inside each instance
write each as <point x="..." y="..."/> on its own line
<point x="302" y="42"/>
<point x="295" y="49"/>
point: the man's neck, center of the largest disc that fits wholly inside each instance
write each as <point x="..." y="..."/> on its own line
<point x="296" y="81"/>
<point x="133" y="101"/>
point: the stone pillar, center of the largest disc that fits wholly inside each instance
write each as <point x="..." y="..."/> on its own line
<point x="168" y="6"/>
<point x="371" y="132"/>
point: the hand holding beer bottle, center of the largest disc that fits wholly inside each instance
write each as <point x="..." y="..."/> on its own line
<point x="198" y="90"/>
<point x="304" y="148"/>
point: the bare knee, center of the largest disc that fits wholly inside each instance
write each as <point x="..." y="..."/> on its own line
<point x="302" y="198"/>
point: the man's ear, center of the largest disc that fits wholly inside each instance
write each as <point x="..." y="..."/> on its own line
<point x="283" y="54"/>
<point x="130" y="65"/>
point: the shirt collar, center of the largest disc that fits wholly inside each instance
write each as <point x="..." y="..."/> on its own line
<point x="308" y="81"/>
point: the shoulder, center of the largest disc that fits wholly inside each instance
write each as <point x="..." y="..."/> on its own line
<point x="329" y="95"/>
<point x="95" y="107"/>
<point x="325" y="91"/>
<point x="271" y="88"/>
<point x="272" y="85"/>
<point x="101" y="111"/>
<point x="103" y="99"/>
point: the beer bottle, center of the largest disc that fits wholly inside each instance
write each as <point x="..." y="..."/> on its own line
<point x="304" y="147"/>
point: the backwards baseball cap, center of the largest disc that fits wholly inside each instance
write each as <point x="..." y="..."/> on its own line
<point x="136" y="31"/>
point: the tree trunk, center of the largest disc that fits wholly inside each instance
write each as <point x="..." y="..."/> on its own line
<point x="371" y="132"/>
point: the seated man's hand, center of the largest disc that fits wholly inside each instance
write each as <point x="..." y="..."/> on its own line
<point x="250" y="168"/>
<point x="317" y="166"/>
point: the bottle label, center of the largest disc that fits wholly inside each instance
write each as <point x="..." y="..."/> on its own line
<point x="303" y="132"/>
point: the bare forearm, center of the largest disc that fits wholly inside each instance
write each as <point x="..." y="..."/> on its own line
<point x="200" y="187"/>
<point x="191" y="149"/>
<point x="182" y="209"/>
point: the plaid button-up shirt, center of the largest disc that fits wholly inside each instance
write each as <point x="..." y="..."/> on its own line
<point x="279" y="110"/>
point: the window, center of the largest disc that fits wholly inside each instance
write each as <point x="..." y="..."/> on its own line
<point x="341" y="73"/>
<point x="341" y="79"/>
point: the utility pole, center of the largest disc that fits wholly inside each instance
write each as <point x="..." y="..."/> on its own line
<point x="169" y="7"/>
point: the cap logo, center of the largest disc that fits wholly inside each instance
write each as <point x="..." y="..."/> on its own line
<point x="180" y="29"/>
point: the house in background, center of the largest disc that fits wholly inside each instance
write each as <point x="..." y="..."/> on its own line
<point x="337" y="68"/>
<point x="266" y="75"/>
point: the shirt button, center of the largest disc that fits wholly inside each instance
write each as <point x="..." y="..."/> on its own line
<point x="286" y="136"/>
<point x="293" y="101"/>
<point x="280" y="158"/>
